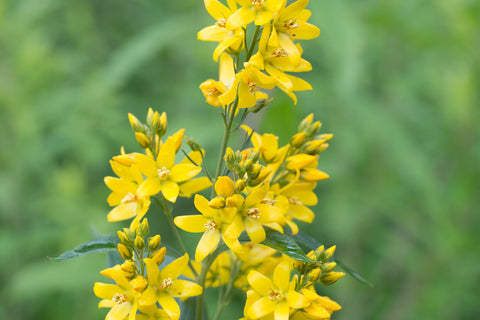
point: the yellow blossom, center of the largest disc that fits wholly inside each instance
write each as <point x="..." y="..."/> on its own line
<point x="260" y="11"/>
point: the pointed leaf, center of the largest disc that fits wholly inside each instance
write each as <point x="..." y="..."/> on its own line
<point x="103" y="245"/>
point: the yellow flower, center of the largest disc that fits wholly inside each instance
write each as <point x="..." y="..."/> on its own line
<point x="292" y="21"/>
<point x="277" y="296"/>
<point x="260" y="11"/>
<point x="122" y="297"/>
<point x="248" y="81"/>
<point x="164" y="285"/>
<point x="228" y="37"/>
<point x="212" y="89"/>
<point x="162" y="174"/>
<point x="213" y="223"/>
<point x="319" y="307"/>
<point x="125" y="196"/>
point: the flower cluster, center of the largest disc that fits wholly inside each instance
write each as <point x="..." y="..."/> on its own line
<point x="259" y="191"/>
<point x="271" y="54"/>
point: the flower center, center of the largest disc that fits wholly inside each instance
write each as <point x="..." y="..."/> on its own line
<point x="253" y="213"/>
<point x="274" y="295"/>
<point x="291" y="24"/>
<point x="119" y="298"/>
<point x="280" y="52"/>
<point x="268" y="201"/>
<point x="163" y="173"/>
<point x="257" y="3"/>
<point x="129" y="197"/>
<point x="166" y="283"/>
<point x="221" y="22"/>
<point x="211" y="225"/>
<point x="294" y="200"/>
<point x="213" y="92"/>
<point x="252" y="86"/>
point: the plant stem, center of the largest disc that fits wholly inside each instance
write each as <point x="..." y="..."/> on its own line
<point x="202" y="277"/>
<point x="228" y="291"/>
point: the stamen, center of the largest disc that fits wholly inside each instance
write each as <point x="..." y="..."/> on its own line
<point x="119" y="298"/>
<point x="211" y="225"/>
<point x="294" y="200"/>
<point x="268" y="201"/>
<point x="166" y="283"/>
<point x="221" y="22"/>
<point x="280" y="52"/>
<point x="129" y="197"/>
<point x="253" y="213"/>
<point x="252" y="86"/>
<point x="163" y="173"/>
<point x="274" y="295"/>
<point x="257" y="3"/>
<point x="213" y="92"/>
<point x="291" y="24"/>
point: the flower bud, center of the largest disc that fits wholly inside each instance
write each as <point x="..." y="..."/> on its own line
<point x="129" y="233"/>
<point x="328" y="266"/>
<point x="305" y="122"/>
<point x="315" y="275"/>
<point x="311" y="175"/>
<point x="313" y="129"/>
<point x="144" y="229"/>
<point x="261" y="177"/>
<point x="124" y="252"/>
<point x="313" y="147"/>
<point x="134" y="225"/>
<point x="255" y="171"/>
<point x="123" y="159"/>
<point x="150" y="115"/>
<point x="240" y="185"/>
<point x="139" y="242"/>
<point x="128" y="268"/>
<point x="123" y="237"/>
<point x="254" y="155"/>
<point x="142" y="140"/>
<point x="234" y="201"/>
<point x="230" y="156"/>
<point x="329" y="252"/>
<point x="194" y="146"/>
<point x="217" y="202"/>
<point x="163" y="124"/>
<point x="154" y="242"/>
<point x="139" y="283"/>
<point x="159" y="255"/>
<point x="224" y="186"/>
<point x="156" y="125"/>
<point x="297" y="140"/>
<point x="331" y="277"/>
<point x="320" y="253"/>
<point x="135" y="123"/>
<point x="299" y="161"/>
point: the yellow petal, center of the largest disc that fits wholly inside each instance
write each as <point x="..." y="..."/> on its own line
<point x="166" y="156"/>
<point x="120" y="185"/>
<point x="123" y="211"/>
<point x="281" y="276"/>
<point x="175" y="268"/>
<point x="148" y="297"/>
<point x="296" y="300"/>
<point x="149" y="187"/>
<point x="201" y="203"/>
<point x="119" y="311"/>
<point x="152" y="271"/>
<point x="299" y="161"/>
<point x="263" y="17"/>
<point x="224" y="45"/>
<point x="106" y="291"/>
<point x="301" y="213"/>
<point x="194" y="223"/>
<point x="208" y="242"/>
<point x="170" y="190"/>
<point x="169" y="304"/>
<point x="254" y="230"/>
<point x="193" y="186"/>
<point x="216" y="9"/>
<point x="183" y="172"/>
<point x="183" y="288"/>
<point x="146" y="164"/>
<point x="241" y="17"/>
<point x="196" y="157"/>
<point x="230" y="95"/>
<point x="260" y="283"/>
<point x="261" y="308"/>
<point x="227" y="70"/>
<point x="282" y="311"/>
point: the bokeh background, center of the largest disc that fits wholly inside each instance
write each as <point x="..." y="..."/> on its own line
<point x="396" y="81"/>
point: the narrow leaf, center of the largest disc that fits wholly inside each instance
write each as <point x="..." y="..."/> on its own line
<point x="285" y="244"/>
<point x="103" y="245"/>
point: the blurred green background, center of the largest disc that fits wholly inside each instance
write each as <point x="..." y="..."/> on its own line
<point x="396" y="81"/>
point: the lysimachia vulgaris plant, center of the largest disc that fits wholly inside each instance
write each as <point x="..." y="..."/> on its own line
<point x="249" y="239"/>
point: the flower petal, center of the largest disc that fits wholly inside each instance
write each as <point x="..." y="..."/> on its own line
<point x="281" y="276"/>
<point x="193" y="186"/>
<point x="254" y="230"/>
<point x="170" y="190"/>
<point x="261" y="308"/>
<point x="123" y="211"/>
<point x="282" y="311"/>
<point x="201" y="203"/>
<point x="241" y="17"/>
<point x="260" y="283"/>
<point x="184" y="288"/>
<point x="208" y="242"/>
<point x="149" y="187"/>
<point x="169" y="304"/>
<point x="192" y="223"/>
<point x="175" y="268"/>
<point x="183" y="172"/>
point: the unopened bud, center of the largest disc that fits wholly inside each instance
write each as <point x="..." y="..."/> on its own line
<point x="144" y="228"/>
<point x="129" y="233"/>
<point x="230" y="156"/>
<point x="156" y="125"/>
<point x="159" y="255"/>
<point x="163" y="124"/>
<point x="331" y="277"/>
<point x="328" y="266"/>
<point x="313" y="129"/>
<point x="135" y="123"/>
<point x="134" y="225"/>
<point x="240" y="185"/>
<point x="329" y="252"/>
<point x="194" y="146"/>
<point x="154" y="242"/>
<point x="315" y="274"/>
<point x="150" y="115"/>
<point x="139" y="283"/>
<point x="123" y="237"/>
<point x="124" y="252"/>
<point x="224" y="186"/>
<point x="139" y="242"/>
<point x="128" y="268"/>
<point x="261" y="177"/>
<point x="313" y="146"/>
<point x="247" y="165"/>
<point x="143" y="140"/>
<point x="234" y="201"/>
<point x="299" y="161"/>
<point x="297" y="140"/>
<point x="312" y="175"/>
<point x="123" y="159"/>
<point x="305" y="122"/>
<point x="320" y="253"/>
<point x="217" y="202"/>
<point x="255" y="171"/>
<point x="254" y="155"/>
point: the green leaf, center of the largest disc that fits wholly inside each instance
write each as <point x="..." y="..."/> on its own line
<point x="311" y="244"/>
<point x="102" y="245"/>
<point x="285" y="244"/>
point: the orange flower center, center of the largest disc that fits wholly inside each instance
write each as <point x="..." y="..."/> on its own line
<point x="211" y="225"/>
<point x="257" y="3"/>
<point x="252" y="86"/>
<point x="274" y="295"/>
<point x="294" y="200"/>
<point x="166" y="283"/>
<point x="163" y="173"/>
<point x="280" y="52"/>
<point x="119" y="298"/>
<point x="129" y="197"/>
<point x="253" y="213"/>
<point x="221" y="22"/>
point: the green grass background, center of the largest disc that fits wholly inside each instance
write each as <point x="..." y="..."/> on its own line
<point x="397" y="82"/>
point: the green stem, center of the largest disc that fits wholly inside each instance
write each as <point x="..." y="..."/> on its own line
<point x="225" y="299"/>
<point x="201" y="279"/>
<point x="253" y="43"/>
